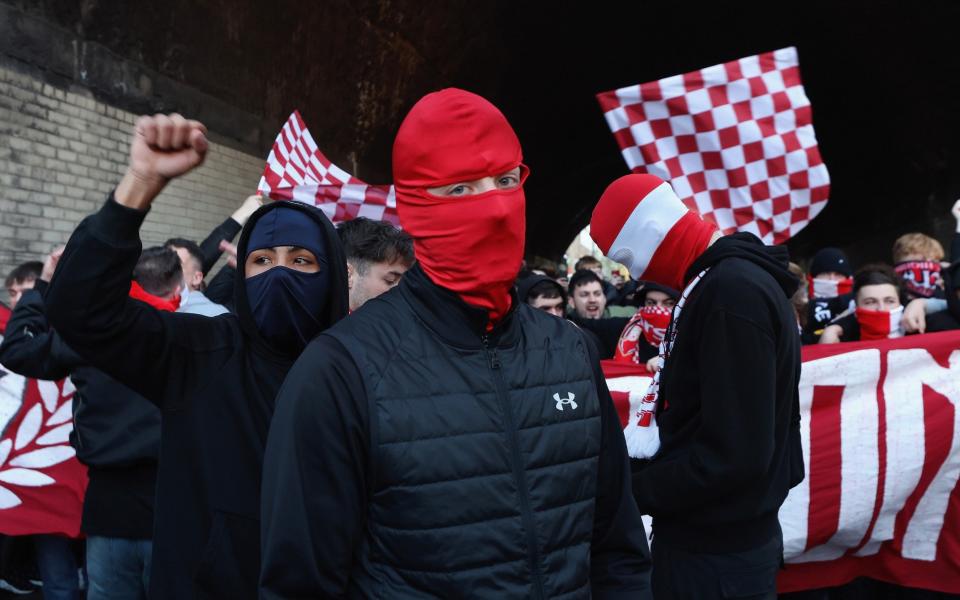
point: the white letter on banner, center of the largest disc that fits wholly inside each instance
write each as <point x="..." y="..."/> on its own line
<point x="926" y="524"/>
<point x="903" y="399"/>
<point x="858" y="372"/>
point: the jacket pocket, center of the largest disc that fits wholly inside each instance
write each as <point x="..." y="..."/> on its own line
<point x="230" y="564"/>
<point x="756" y="582"/>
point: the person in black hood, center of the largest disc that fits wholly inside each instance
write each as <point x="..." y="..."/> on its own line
<point x="215" y="379"/>
<point x="726" y="398"/>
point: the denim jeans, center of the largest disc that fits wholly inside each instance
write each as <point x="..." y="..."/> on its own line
<point x="58" y="567"/>
<point x="118" y="568"/>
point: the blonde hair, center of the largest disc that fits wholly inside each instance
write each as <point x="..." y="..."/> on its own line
<point x="917" y="243"/>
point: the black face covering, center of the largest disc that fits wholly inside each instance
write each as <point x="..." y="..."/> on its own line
<point x="288" y="305"/>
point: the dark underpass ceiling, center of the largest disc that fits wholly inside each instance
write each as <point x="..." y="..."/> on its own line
<point x="882" y="77"/>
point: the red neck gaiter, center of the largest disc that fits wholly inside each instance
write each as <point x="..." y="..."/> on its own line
<point x="471" y="245"/>
<point x="138" y="293"/>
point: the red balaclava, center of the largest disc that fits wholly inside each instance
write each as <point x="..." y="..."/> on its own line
<point x="471" y="245"/>
<point x="642" y="224"/>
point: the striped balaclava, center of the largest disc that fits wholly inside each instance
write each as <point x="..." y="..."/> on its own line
<point x="642" y="224"/>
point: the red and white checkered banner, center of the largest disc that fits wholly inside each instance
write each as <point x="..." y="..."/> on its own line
<point x="734" y="140"/>
<point x="880" y="428"/>
<point x="297" y="170"/>
<point x="42" y="483"/>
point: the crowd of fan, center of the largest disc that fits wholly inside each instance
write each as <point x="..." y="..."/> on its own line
<point x="168" y="277"/>
<point x="917" y="292"/>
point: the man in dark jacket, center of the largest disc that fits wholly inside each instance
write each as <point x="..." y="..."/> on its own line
<point x="448" y="441"/>
<point x="214" y="379"/>
<point x="116" y="431"/>
<point x="726" y="398"/>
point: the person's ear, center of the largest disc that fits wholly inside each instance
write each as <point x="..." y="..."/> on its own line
<point x="197" y="280"/>
<point x="351" y="274"/>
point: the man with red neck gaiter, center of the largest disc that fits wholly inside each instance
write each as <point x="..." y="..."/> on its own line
<point x="447" y="440"/>
<point x="716" y="462"/>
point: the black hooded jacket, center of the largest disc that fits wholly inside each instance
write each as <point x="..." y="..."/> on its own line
<point x="728" y="409"/>
<point x="215" y="380"/>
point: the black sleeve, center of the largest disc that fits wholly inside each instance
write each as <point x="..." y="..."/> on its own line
<point x="955" y="247"/>
<point x="30" y="348"/>
<point x="210" y="247"/>
<point x="607" y="332"/>
<point x="620" y="557"/>
<point x="315" y="487"/>
<point x="157" y="354"/>
<point x="736" y="405"/>
<point x="220" y="288"/>
<point x="850" y="327"/>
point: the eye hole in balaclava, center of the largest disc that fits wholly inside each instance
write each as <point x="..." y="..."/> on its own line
<point x="288" y="305"/>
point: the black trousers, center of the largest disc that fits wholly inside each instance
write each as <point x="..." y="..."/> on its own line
<point x="682" y="575"/>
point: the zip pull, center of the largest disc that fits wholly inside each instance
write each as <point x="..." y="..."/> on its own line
<point x="494" y="359"/>
<point x="491" y="352"/>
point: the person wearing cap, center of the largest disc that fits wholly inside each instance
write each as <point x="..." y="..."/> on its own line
<point x="448" y="440"/>
<point x="214" y="379"/>
<point x="639" y="342"/>
<point x="831" y="290"/>
<point x="726" y="399"/>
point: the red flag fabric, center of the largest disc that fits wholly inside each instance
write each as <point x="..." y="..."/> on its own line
<point x="42" y="483"/>
<point x="880" y="432"/>
<point x="735" y="141"/>
<point x="297" y="170"/>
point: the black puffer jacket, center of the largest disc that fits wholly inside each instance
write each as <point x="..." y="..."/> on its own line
<point x="215" y="380"/>
<point x="414" y="455"/>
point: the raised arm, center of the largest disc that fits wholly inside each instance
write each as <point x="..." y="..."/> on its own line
<point x="211" y="247"/>
<point x="151" y="352"/>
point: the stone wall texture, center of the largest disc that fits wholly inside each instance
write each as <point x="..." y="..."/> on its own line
<point x="62" y="151"/>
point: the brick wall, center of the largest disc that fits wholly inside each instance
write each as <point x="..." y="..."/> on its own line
<point x="61" y="152"/>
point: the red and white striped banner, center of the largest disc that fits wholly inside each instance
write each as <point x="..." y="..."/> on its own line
<point x="297" y="170"/>
<point x="42" y="483"/>
<point x="880" y="428"/>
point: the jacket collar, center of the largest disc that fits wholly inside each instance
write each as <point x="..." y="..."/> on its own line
<point x="451" y="319"/>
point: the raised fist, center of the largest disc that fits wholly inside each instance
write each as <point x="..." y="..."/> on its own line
<point x="956" y="210"/>
<point x="249" y="206"/>
<point x="166" y="146"/>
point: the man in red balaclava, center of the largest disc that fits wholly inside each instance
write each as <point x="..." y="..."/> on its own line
<point x="725" y="399"/>
<point x="450" y="441"/>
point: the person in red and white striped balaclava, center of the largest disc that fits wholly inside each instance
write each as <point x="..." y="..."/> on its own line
<point x="725" y="399"/>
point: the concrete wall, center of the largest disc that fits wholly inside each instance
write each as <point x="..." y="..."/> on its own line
<point x="62" y="151"/>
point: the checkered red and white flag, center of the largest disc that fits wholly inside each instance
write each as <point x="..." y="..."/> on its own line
<point x="297" y="170"/>
<point x="734" y="140"/>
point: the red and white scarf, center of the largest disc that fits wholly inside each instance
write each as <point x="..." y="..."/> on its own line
<point x="651" y="322"/>
<point x="830" y="288"/>
<point x="641" y="433"/>
<point x="879" y="324"/>
<point x="921" y="277"/>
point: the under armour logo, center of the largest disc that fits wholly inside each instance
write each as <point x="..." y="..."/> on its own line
<point x="567" y="400"/>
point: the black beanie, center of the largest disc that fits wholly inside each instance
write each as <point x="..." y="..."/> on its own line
<point x="830" y="259"/>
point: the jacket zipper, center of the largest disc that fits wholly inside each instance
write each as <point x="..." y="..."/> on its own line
<point x="519" y="472"/>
